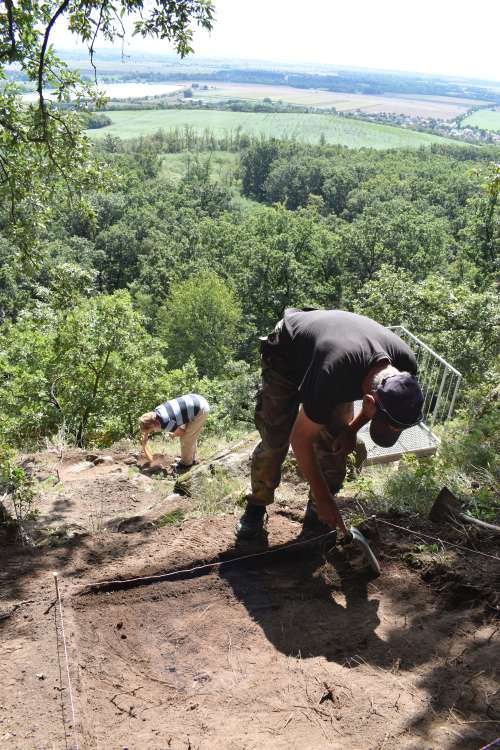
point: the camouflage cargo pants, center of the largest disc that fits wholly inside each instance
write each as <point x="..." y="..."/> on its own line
<point x="276" y="410"/>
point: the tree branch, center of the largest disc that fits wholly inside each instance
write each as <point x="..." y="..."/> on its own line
<point x="88" y="409"/>
<point x="41" y="63"/>
<point x="7" y="125"/>
<point x="122" y="35"/>
<point x="12" y="37"/>
<point x="91" y="45"/>
<point x="61" y="121"/>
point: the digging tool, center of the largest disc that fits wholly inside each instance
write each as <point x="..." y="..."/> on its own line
<point x="447" y="507"/>
<point x="359" y="541"/>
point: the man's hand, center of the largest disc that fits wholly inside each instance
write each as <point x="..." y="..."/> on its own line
<point x="304" y="433"/>
<point x="179" y="432"/>
<point x="328" y="513"/>
<point x="345" y="442"/>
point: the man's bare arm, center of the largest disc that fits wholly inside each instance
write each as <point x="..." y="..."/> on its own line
<point x="303" y="435"/>
<point x="345" y="441"/>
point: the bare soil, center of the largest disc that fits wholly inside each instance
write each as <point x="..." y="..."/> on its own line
<point x="300" y="648"/>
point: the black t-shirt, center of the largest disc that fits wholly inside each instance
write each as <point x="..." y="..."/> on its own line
<point x="330" y="352"/>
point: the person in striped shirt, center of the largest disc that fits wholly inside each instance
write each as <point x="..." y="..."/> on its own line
<point x="181" y="417"/>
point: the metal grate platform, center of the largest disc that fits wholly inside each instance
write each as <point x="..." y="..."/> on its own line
<point x="440" y="383"/>
<point x="418" y="440"/>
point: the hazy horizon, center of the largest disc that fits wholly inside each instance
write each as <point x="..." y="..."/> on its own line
<point x="193" y="58"/>
<point x="431" y="38"/>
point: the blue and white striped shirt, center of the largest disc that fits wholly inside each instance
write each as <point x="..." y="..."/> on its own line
<point x="181" y="410"/>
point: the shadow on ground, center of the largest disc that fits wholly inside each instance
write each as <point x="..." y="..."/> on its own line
<point x="320" y="605"/>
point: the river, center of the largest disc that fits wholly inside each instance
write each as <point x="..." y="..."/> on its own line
<point x="126" y="90"/>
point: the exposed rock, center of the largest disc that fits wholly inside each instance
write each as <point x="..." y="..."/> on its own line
<point x="161" y="464"/>
<point x="131" y="524"/>
<point x="81" y="466"/>
<point x="103" y="460"/>
<point x="231" y="464"/>
<point x="6" y="613"/>
<point x="41" y="476"/>
<point x="152" y="518"/>
<point x="154" y="469"/>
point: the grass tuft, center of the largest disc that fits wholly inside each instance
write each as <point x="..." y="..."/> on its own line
<point x="172" y="517"/>
<point x="218" y="494"/>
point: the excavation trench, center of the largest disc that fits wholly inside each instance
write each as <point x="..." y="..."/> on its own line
<point x="286" y="650"/>
<point x="323" y="544"/>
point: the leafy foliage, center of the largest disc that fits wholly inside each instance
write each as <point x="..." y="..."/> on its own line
<point x="90" y="368"/>
<point x="16" y="484"/>
<point x="200" y="320"/>
<point x="44" y="157"/>
<point x="459" y="322"/>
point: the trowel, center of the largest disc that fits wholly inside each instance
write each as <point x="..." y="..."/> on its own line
<point x="359" y="541"/>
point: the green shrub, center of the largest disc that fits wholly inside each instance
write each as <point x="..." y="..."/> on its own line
<point x="200" y="319"/>
<point x="15" y="483"/>
<point x="466" y="463"/>
<point x="232" y="399"/>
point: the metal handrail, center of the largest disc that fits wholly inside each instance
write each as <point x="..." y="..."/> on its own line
<point x="431" y="351"/>
<point x="432" y="412"/>
<point x="440" y="382"/>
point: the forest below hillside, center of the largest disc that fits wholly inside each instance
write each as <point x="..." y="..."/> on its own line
<point x="161" y="286"/>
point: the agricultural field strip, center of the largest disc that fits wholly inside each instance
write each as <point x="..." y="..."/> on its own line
<point x="303" y="127"/>
<point x="424" y="105"/>
<point x="433" y="98"/>
<point x="289" y="94"/>
<point x="484" y="118"/>
<point x="438" y="107"/>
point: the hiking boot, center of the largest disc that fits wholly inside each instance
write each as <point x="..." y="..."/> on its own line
<point x="312" y="526"/>
<point x="252" y="523"/>
<point x="181" y="468"/>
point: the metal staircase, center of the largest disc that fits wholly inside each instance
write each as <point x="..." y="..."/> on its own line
<point x="440" y="383"/>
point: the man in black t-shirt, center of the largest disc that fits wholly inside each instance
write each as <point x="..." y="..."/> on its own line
<point x="314" y="365"/>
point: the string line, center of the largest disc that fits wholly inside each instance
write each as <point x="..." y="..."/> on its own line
<point x="217" y="564"/>
<point x="435" y="538"/>
<point x="220" y="563"/>
<point x="66" y="659"/>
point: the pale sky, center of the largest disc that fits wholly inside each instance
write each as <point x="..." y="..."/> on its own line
<point x="451" y="37"/>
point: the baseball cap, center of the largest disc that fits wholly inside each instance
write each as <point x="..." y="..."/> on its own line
<point x="399" y="401"/>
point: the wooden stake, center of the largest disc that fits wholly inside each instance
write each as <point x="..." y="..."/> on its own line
<point x="55" y="574"/>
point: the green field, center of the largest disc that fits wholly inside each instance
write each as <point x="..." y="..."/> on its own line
<point x="303" y="127"/>
<point x="484" y="118"/>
